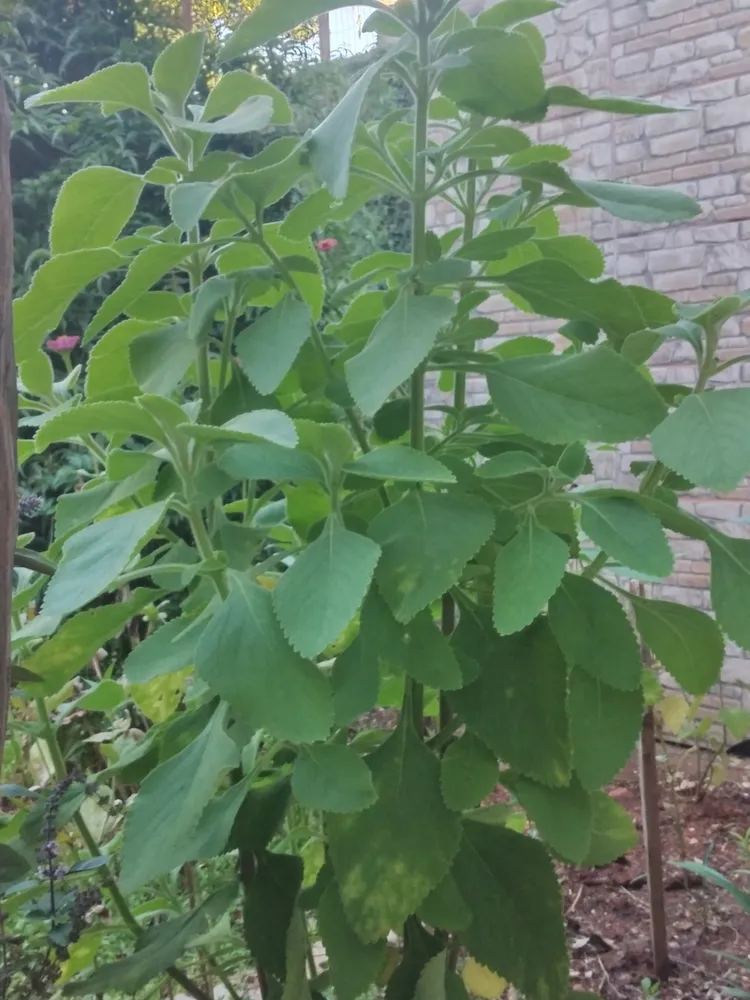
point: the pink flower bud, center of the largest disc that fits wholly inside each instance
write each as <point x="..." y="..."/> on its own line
<point x="63" y="343"/>
<point x="325" y="246"/>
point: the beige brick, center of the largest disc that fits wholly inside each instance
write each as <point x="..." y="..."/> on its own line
<point x="721" y="90"/>
<point x="717" y="234"/>
<point x="676" y="281"/>
<point x="677" y="122"/>
<point x="689" y="72"/>
<point x="630" y="65"/>
<point x="671" y="55"/>
<point x="713" y="187"/>
<point x="694" y="170"/>
<point x="717" y="41"/>
<point x="675" y="260"/>
<point x="665" y="145"/>
<point x="666" y="8"/>
<point x="727" y="114"/>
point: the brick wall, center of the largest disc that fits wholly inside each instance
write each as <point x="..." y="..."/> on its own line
<point x="695" y="55"/>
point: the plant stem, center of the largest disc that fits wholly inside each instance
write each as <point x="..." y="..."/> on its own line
<point x="226" y="348"/>
<point x="459" y="394"/>
<point x="119" y="901"/>
<point x="205" y="548"/>
<point x="24" y="559"/>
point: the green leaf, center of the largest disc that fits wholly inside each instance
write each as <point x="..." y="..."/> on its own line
<point x="332" y="778"/>
<point x="392" y="419"/>
<point x="272" y="885"/>
<point x="427" y="540"/>
<point x="593" y="396"/>
<point x="330" y="144"/>
<point x="400" y="464"/>
<point x="578" y="252"/>
<point x="528" y="571"/>
<point x="509" y="12"/>
<point x="150" y="265"/>
<point x="124" y="85"/>
<point x="274" y="688"/>
<point x="604" y="727"/>
<point x="594" y="633"/>
<point x="188" y="202"/>
<point x="158" y="948"/>
<point x="469" y="773"/>
<point x="13" y="866"/>
<point x="730" y="576"/>
<point x="108" y="373"/>
<point x="170" y="804"/>
<point x="176" y="69"/>
<point x="98" y="418"/>
<point x="92" y="207"/>
<point x="705" y="441"/>
<point x="422" y="652"/>
<point x="265" y="460"/>
<point x="353" y="966"/>
<point x="563" y="817"/>
<point x="613" y="833"/>
<point x="320" y="593"/>
<point x="503" y="78"/>
<point x="53" y="287"/>
<point x="638" y="203"/>
<point x="235" y="87"/>
<point x="416" y="834"/>
<point x="445" y="907"/>
<point x="270" y="19"/>
<point x="569" y="97"/>
<point x="250" y="116"/>
<point x="510" y="463"/>
<point x="510" y="885"/>
<point x="494" y="245"/>
<point x="356" y="681"/>
<point x="629" y="534"/>
<point x="268" y="348"/>
<point x="687" y="642"/>
<point x="72" y="647"/>
<point x="401" y="340"/>
<point x="269" y="425"/>
<point x="160" y="359"/>
<point x="93" y="558"/>
<point x="517" y="705"/>
<point x="169" y="649"/>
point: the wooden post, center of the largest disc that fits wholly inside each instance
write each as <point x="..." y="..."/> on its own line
<point x="8" y="415"/>
<point x="186" y="15"/>
<point x="324" y="36"/>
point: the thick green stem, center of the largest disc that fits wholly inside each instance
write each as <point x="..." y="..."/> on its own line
<point x="226" y="349"/>
<point x="470" y="217"/>
<point x="206" y="549"/>
<point x="118" y="900"/>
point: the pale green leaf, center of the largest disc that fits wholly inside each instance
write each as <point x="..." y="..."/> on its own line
<point x="427" y="540"/>
<point x="264" y="460"/>
<point x="98" y="418"/>
<point x="53" y="287"/>
<point x="469" y="773"/>
<point x="604" y="727"/>
<point x="150" y="265"/>
<point x="593" y="396"/>
<point x="510" y="463"/>
<point x="170" y="803"/>
<point x="159" y="947"/>
<point x="613" y="832"/>
<point x="638" y="203"/>
<point x="321" y="592"/>
<point x="629" y="534"/>
<point x="250" y="116"/>
<point x="236" y="87"/>
<point x="244" y="657"/>
<point x="528" y="571"/>
<point x="267" y="425"/>
<point x="594" y="633"/>
<point x="563" y="817"/>
<point x="160" y="359"/>
<point x="686" y="641"/>
<point x="510" y="12"/>
<point x="124" y="84"/>
<point x="400" y="464"/>
<point x="188" y="202"/>
<point x="353" y="966"/>
<point x="168" y="650"/>
<point x="580" y="253"/>
<point x="494" y="245"/>
<point x="730" y="578"/>
<point x="705" y="439"/>
<point x="400" y="342"/>
<point x="177" y="67"/>
<point x="108" y="373"/>
<point x="517" y="705"/>
<point x="503" y="78"/>
<point x="93" y="558"/>
<point x="416" y="836"/>
<point x="569" y="97"/>
<point x="332" y="778"/>
<point x="267" y="349"/>
<point x="92" y="207"/>
<point x="510" y="885"/>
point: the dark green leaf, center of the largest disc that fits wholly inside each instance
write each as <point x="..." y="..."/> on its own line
<point x="355" y="681"/>
<point x="569" y="97"/>
<point x="594" y="633"/>
<point x="272" y="883"/>
<point x="629" y="534"/>
<point x="13" y="866"/>
<point x="510" y="463"/>
<point x="353" y="966"/>
<point x="169" y="649"/>
<point x="392" y="420"/>
<point x="494" y="245"/>
<point x="244" y="657"/>
<point x="416" y="834"/>
<point x="332" y="778"/>
<point x="268" y="348"/>
<point x="730" y="576"/>
<point x="594" y="396"/>
<point x="687" y="642"/>
<point x="423" y="653"/>
<point x="604" y="727"/>
<point x="517" y="706"/>
<point x="469" y="773"/>
<point x="265" y="460"/>
<point x="427" y="540"/>
<point x="509" y="884"/>
<point x="400" y="342"/>
<point x="445" y="908"/>
<point x="613" y="833"/>
<point x="528" y="571"/>
<point x="563" y="817"/>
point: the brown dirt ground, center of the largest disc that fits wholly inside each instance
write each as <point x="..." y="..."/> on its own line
<point x="608" y="917"/>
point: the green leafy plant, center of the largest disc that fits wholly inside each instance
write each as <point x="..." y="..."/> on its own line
<point x="308" y="535"/>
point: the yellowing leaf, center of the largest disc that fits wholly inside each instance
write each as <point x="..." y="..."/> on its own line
<point x="159" y="699"/>
<point x="81" y="956"/>
<point x="674" y="710"/>
<point x="482" y="982"/>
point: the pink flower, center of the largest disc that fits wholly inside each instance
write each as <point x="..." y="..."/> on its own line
<point x="325" y="246"/>
<point x="63" y="343"/>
